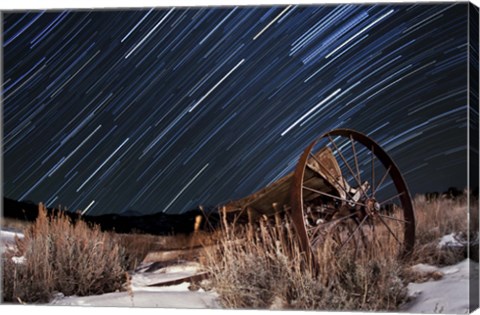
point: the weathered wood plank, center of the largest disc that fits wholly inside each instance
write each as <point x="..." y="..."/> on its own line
<point x="322" y="174"/>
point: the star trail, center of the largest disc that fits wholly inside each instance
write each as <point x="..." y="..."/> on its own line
<point x="165" y="109"/>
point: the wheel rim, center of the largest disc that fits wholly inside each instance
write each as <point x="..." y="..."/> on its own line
<point x="366" y="204"/>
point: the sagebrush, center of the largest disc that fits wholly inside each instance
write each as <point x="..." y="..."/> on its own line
<point x="438" y="217"/>
<point x="61" y="256"/>
<point x="264" y="268"/>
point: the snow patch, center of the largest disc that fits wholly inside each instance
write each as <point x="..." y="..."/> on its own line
<point x="191" y="267"/>
<point x="143" y="294"/>
<point x="7" y="240"/>
<point x="19" y="260"/>
<point x="8" y="237"/>
<point x="147" y="279"/>
<point x="447" y="295"/>
<point x="450" y="240"/>
<point x="143" y="298"/>
<point x="424" y="268"/>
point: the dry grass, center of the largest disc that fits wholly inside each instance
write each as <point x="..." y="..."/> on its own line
<point x="252" y="267"/>
<point x="436" y="218"/>
<point x="265" y="268"/>
<point x="439" y="217"/>
<point x="59" y="256"/>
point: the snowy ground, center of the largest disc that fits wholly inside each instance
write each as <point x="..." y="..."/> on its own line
<point x="144" y="295"/>
<point x="7" y="239"/>
<point x="447" y="294"/>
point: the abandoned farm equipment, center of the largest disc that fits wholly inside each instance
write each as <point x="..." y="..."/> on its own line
<point x="344" y="189"/>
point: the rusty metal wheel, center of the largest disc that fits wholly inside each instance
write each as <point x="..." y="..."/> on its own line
<point x="346" y="190"/>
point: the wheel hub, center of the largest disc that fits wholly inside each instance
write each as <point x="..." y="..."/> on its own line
<point x="372" y="206"/>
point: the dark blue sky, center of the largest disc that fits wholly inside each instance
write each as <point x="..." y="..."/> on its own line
<point x="166" y="109"/>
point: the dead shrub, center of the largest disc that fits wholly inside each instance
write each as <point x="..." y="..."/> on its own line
<point x="264" y="267"/>
<point x="439" y="217"/>
<point x="435" y="219"/>
<point x="60" y="256"/>
<point x="432" y="254"/>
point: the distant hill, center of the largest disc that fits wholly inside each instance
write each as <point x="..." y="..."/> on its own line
<point x="131" y="213"/>
<point x="127" y="222"/>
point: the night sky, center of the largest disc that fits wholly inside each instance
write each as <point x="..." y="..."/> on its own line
<point x="168" y="108"/>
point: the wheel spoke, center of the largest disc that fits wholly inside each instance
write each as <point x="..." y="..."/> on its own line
<point x="322" y="225"/>
<point x="364" y="238"/>
<point x="391" y="198"/>
<point x="382" y="180"/>
<point x="339" y="219"/>
<point x="392" y="218"/>
<point x="353" y="193"/>
<point x="332" y="196"/>
<point x="347" y="165"/>
<point x="389" y="229"/>
<point x="351" y="235"/>
<point x="374" y="234"/>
